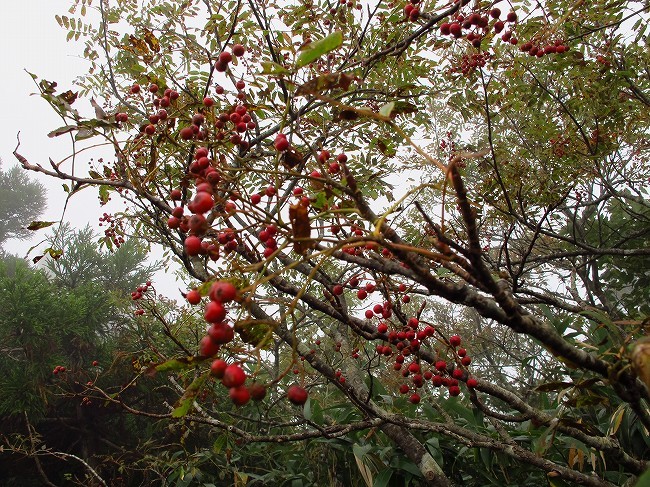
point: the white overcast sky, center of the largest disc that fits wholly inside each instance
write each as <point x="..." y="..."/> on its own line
<point x="31" y="40"/>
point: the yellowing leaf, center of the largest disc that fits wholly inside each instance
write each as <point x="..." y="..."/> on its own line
<point x="151" y="41"/>
<point x="37" y="225"/>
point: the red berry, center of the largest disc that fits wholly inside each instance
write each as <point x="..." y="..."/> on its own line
<point x="456" y="30"/>
<point x="466" y="361"/>
<point x="454" y="340"/>
<point x="495" y="13"/>
<point x="233" y="376"/>
<point x="240" y="85"/>
<point x="193" y="297"/>
<point x="382" y="328"/>
<point x="193" y="245"/>
<point x="297" y="395"/>
<point x="150" y="129"/>
<point x="186" y="133"/>
<point x="239" y="395"/>
<point x="454" y="391"/>
<point x="238" y="50"/>
<point x="221" y="333"/>
<point x="208" y="102"/>
<point x="415" y="398"/>
<point x="281" y="144"/>
<point x="203" y="202"/>
<point x="472" y="382"/>
<point x="511" y="17"/>
<point x="413" y="323"/>
<point x="198" y="119"/>
<point x="225" y="57"/>
<point x="207" y="347"/>
<point x="153" y="87"/>
<point x="218" y="368"/>
<point x="223" y="291"/>
<point x="257" y="391"/>
<point x="135" y="88"/>
<point x="214" y="312"/>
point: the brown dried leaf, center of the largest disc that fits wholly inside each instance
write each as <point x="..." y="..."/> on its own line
<point x="301" y="229"/>
<point x="291" y="158"/>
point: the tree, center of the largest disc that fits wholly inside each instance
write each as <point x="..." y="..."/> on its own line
<point x="484" y="319"/>
<point x="82" y="262"/>
<point x="55" y="342"/>
<point x="21" y="201"/>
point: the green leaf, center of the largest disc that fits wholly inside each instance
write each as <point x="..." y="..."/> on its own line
<point x="306" y="410"/>
<point x="386" y="109"/>
<point x="553" y="386"/>
<point x="37" y="225"/>
<point x="269" y="67"/>
<point x="219" y="443"/>
<point x="316" y="49"/>
<point x="383" y="478"/>
<point x="84" y="134"/>
<point x="172" y="364"/>
<point x="186" y="401"/>
<point x="103" y="193"/>
<point x="62" y="130"/>
<point x="317" y="413"/>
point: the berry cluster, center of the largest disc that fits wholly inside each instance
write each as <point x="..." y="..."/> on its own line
<point x="407" y="342"/>
<point x="58" y="369"/>
<point x="226" y="57"/>
<point x="478" y="26"/>
<point x="220" y="332"/>
<point x="412" y="11"/>
<point x="537" y="50"/>
<point x="469" y="63"/>
<point x="115" y="231"/>
<point x="138" y="294"/>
